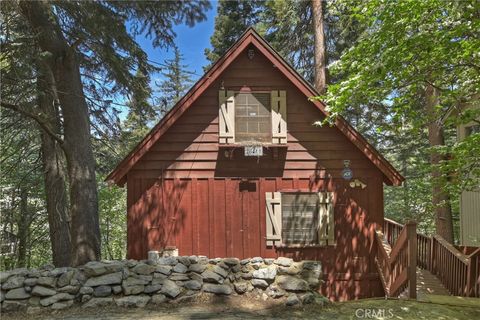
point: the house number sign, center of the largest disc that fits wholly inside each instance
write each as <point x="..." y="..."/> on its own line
<point x="253" y="151"/>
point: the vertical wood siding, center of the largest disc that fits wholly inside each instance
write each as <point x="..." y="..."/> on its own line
<point x="187" y="193"/>
<point x="470" y="218"/>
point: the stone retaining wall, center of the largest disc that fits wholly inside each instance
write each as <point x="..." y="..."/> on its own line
<point x="132" y="283"/>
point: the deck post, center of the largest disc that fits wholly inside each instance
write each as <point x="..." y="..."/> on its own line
<point x="432" y="255"/>
<point x="412" y="259"/>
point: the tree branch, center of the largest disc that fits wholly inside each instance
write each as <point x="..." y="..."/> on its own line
<point x="36" y="118"/>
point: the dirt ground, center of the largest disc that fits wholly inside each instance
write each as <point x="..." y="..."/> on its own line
<point x="238" y="308"/>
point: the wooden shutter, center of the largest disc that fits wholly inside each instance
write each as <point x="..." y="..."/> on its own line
<point x="226" y="116"/>
<point x="326" y="222"/>
<point x="278" y="101"/>
<point x="274" y="218"/>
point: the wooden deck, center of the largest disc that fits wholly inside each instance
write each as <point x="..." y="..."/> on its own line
<point x="435" y="267"/>
<point x="428" y="284"/>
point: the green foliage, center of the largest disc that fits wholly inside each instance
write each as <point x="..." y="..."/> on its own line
<point x="22" y="179"/>
<point x="233" y="18"/>
<point x="114" y="67"/>
<point x="113" y="220"/>
<point x="404" y="47"/>
<point x="177" y="80"/>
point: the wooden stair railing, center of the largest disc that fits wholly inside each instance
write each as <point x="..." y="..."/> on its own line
<point x="397" y="269"/>
<point x="458" y="272"/>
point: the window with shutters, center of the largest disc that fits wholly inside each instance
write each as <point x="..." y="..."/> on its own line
<point x="300" y="218"/>
<point x="300" y="214"/>
<point x="253" y="122"/>
<point x="252" y="117"/>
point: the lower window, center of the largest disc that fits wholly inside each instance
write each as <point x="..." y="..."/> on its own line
<point x="300" y="213"/>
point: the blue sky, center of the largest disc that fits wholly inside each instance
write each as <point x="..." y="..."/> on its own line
<point x="192" y="43"/>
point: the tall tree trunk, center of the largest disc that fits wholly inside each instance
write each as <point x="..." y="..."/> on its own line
<point x="85" y="230"/>
<point x="320" y="50"/>
<point x="53" y="161"/>
<point x="440" y="200"/>
<point x="22" y="225"/>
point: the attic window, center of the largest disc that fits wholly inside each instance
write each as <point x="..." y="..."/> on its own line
<point x="253" y="122"/>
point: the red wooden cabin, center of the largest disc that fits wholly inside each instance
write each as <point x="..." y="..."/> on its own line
<point x="238" y="169"/>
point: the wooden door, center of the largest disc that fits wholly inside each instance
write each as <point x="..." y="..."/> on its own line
<point x="250" y="218"/>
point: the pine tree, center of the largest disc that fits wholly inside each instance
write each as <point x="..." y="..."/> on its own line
<point x="232" y="19"/>
<point x="86" y="44"/>
<point x="177" y="80"/>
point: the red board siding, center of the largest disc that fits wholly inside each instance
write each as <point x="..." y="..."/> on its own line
<point x="186" y="193"/>
<point x="226" y="217"/>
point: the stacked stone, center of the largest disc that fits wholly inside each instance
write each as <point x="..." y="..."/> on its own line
<point x="132" y="283"/>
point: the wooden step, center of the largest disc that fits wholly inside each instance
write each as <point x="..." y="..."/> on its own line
<point x="427" y="284"/>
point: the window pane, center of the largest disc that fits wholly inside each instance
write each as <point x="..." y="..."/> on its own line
<point x="252" y="117"/>
<point x="299" y="218"/>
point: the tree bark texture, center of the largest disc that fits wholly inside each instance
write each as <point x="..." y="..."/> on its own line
<point x="85" y="230"/>
<point x="440" y="200"/>
<point x="55" y="176"/>
<point x="23" y="226"/>
<point x="320" y="50"/>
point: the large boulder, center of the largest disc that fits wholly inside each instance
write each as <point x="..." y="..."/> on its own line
<point x="143" y="268"/>
<point x="102" y="291"/>
<point x="47" y="282"/>
<point x="221" y="271"/>
<point x="184" y="260"/>
<point x="217" y="288"/>
<point x="268" y="273"/>
<point x="65" y="278"/>
<point x="291" y="283"/>
<point x="192" y="285"/>
<point x="17" y="294"/>
<point x="4" y="275"/>
<point x="13" y="282"/>
<point x="284" y="262"/>
<point x="178" y="277"/>
<point x="180" y="268"/>
<point x="69" y="289"/>
<point x="171" y="261"/>
<point x="259" y="283"/>
<point x="43" y="291"/>
<point x="111" y="278"/>
<point x="197" y="267"/>
<point x="55" y="298"/>
<point x="30" y="282"/>
<point x="95" y="268"/>
<point x="86" y="290"/>
<point x="152" y="288"/>
<point x="134" y="281"/>
<point x="166" y="270"/>
<point x="135" y="289"/>
<point x="170" y="289"/>
<point x="231" y="261"/>
<point x="210" y="276"/>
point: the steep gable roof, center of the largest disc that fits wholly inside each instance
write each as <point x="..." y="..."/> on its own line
<point x="250" y="37"/>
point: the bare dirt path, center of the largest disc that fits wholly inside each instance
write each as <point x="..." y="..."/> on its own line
<point x="236" y="308"/>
